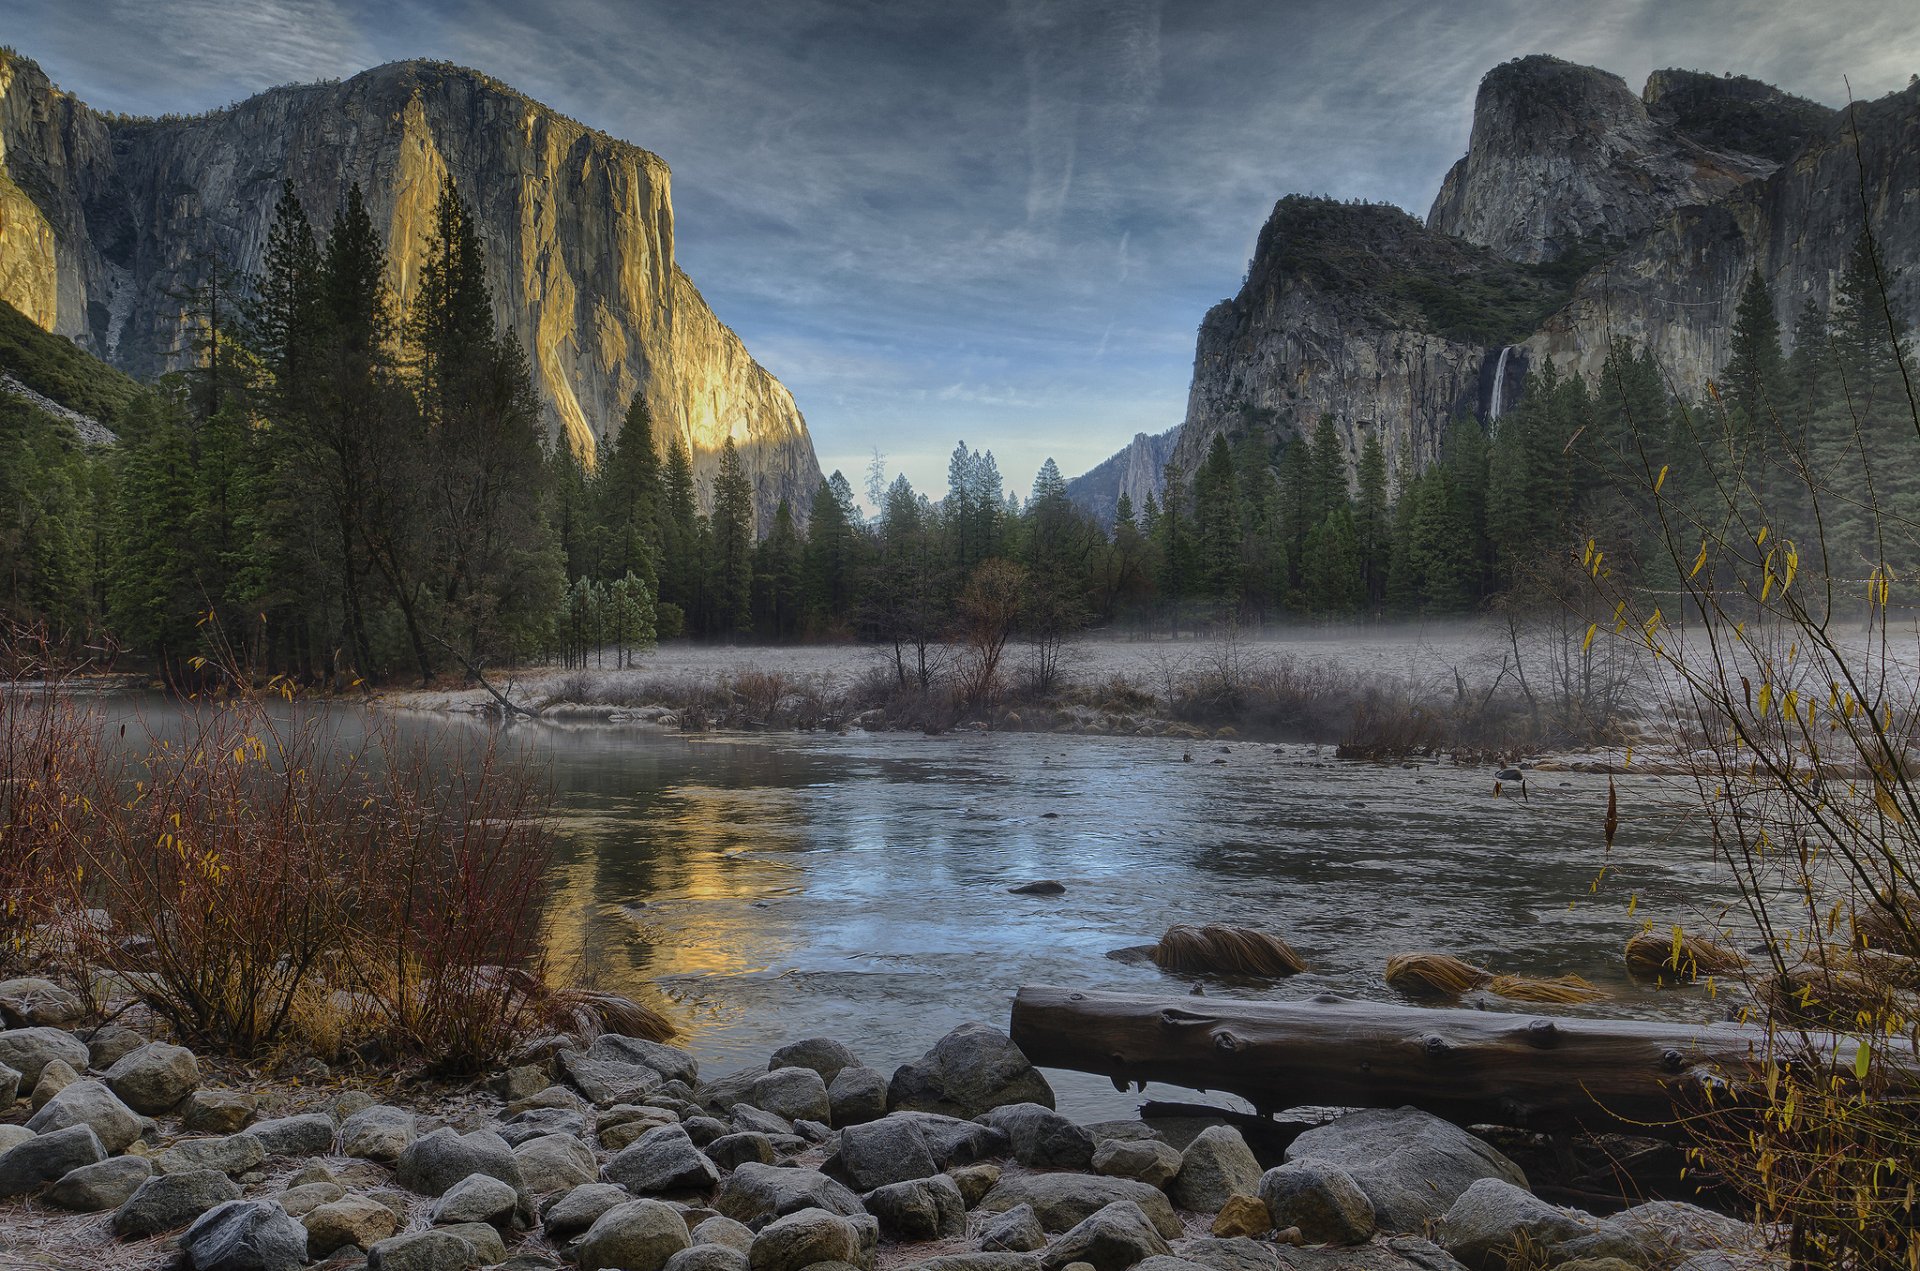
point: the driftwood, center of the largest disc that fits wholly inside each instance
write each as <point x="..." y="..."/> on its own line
<point x="1472" y="1067"/>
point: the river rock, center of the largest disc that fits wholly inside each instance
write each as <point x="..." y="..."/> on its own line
<point x="1494" y="1223"/>
<point x="822" y="1054"/>
<point x="704" y="1129"/>
<point x="857" y="1095"/>
<point x="1216" y="1165"/>
<point x="378" y="1133"/>
<point x="1391" y="1253"/>
<point x="807" y="1236"/>
<point x="1411" y="1164"/>
<point x="354" y="1220"/>
<point x="605" y="1082"/>
<point x="554" y="1162"/>
<point x="489" y="1249"/>
<point x="54" y="1078"/>
<point x="217" y="1111"/>
<point x="89" y="1103"/>
<point x="101" y="1185"/>
<point x="1322" y="1200"/>
<point x="1243" y="1216"/>
<point x="303" y="1198"/>
<point x="1040" y="1137"/>
<point x="1061" y="1201"/>
<point x="975" y="1181"/>
<point x="1146" y="1160"/>
<point x="232" y="1154"/>
<point x="722" y="1093"/>
<point x="1112" y="1238"/>
<point x="432" y="1164"/>
<point x="245" y="1235"/>
<point x="721" y="1230"/>
<point x="639" y="1235"/>
<point x="32" y="1002"/>
<point x="1234" y="1254"/>
<point x="155" y="1078"/>
<point x="754" y="1193"/>
<point x="1017" y="1230"/>
<point x="9" y="1086"/>
<point x="166" y="1201"/>
<point x="671" y="1062"/>
<point x="45" y="1158"/>
<point x="475" y="1198"/>
<point x="308" y="1135"/>
<point x="1662" y="1234"/>
<point x="922" y="1209"/>
<point x="569" y="1215"/>
<point x="28" y="1050"/>
<point x="522" y="1081"/>
<point x="792" y="1093"/>
<point x="535" y="1122"/>
<point x="730" y="1150"/>
<point x="981" y="1262"/>
<point x="438" y="1250"/>
<point x="107" y="1046"/>
<point x="749" y="1119"/>
<point x="708" y="1257"/>
<point x="971" y="1070"/>
<point x="663" y="1159"/>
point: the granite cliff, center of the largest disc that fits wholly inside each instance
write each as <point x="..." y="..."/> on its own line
<point x="104" y="220"/>
<point x="1136" y="472"/>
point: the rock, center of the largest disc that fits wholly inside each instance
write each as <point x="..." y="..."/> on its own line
<point x="89" y="1103"/>
<point x="923" y="1209"/>
<point x="45" y="1158"/>
<point x="663" y="1159"/>
<point x="110" y="1044"/>
<point x="1017" y="1230"/>
<point x="378" y="1133"/>
<point x="724" y="1231"/>
<point x="303" y="1198"/>
<point x="747" y="1118"/>
<point x="1147" y="1160"/>
<point x="1662" y="1234"/>
<point x="1392" y="1253"/>
<point x="971" y="1070"/>
<point x="9" y="1086"/>
<point x="805" y="1237"/>
<point x="606" y="1082"/>
<point x="422" y="1251"/>
<point x="522" y="1082"/>
<point x="30" y="1003"/>
<point x="623" y="1124"/>
<point x="703" y="1130"/>
<point x="308" y="1135"/>
<point x="488" y="1247"/>
<point x="554" y="1162"/>
<point x="217" y="1111"/>
<point x="708" y="1257"/>
<point x="754" y="1192"/>
<point x="166" y="1201"/>
<point x="890" y="1150"/>
<point x="1039" y="887"/>
<point x="981" y="1262"/>
<point x="1112" y="1238"/>
<point x="1411" y="1165"/>
<point x="348" y="1220"/>
<point x="535" y="1122"/>
<point x="730" y="1150"/>
<point x="639" y="1235"/>
<point x="722" y="1093"/>
<point x="475" y="1198"/>
<point x="246" y="1235"/>
<point x="1061" y="1201"/>
<point x="28" y="1050"/>
<point x="1246" y="1216"/>
<point x="1042" y="1138"/>
<point x="672" y="1063"/>
<point x="822" y="1054"/>
<point x="792" y="1093"/>
<point x="1493" y="1223"/>
<point x="1230" y="1254"/>
<point x="434" y="1163"/>
<point x="12" y="1136"/>
<point x="856" y="1095"/>
<point x="551" y="1097"/>
<point x="569" y="1215"/>
<point x="233" y="1154"/>
<point x="54" y="1078"/>
<point x="1322" y="1200"/>
<point x="975" y="1181"/>
<point x="1218" y="1164"/>
<point x="101" y="1185"/>
<point x="155" y="1078"/>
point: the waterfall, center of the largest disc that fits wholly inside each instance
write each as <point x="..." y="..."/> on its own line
<point x="1499" y="383"/>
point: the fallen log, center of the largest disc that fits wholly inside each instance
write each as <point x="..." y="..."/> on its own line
<point x="1472" y="1067"/>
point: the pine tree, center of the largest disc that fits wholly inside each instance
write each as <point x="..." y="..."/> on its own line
<point x="1755" y="374"/>
<point x="680" y="565"/>
<point x="1174" y="540"/>
<point x="776" y="577"/>
<point x="1372" y="520"/>
<point x="733" y="542"/>
<point x="828" y="563"/>
<point x="1218" y="527"/>
<point x="1330" y="570"/>
<point x="627" y="499"/>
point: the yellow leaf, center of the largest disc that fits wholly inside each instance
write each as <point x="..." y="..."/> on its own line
<point x="1862" y="1060"/>
<point x="1661" y="479"/>
<point x="1588" y="642"/>
<point x="1700" y="561"/>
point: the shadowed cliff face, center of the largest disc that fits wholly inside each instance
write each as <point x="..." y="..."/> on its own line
<point x="106" y="220"/>
<point x="1135" y="472"/>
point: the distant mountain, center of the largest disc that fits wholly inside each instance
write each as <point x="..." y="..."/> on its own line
<point x="1135" y="472"/>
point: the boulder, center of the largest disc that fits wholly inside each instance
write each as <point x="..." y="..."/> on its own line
<point x="1493" y="1223"/>
<point x="32" y="1002"/>
<point x="730" y="1150"/>
<point x="1061" y="1201"/>
<point x="1663" y="1233"/>
<point x="439" y="1250"/>
<point x="101" y="1185"/>
<point x="245" y="1235"/>
<point x="722" y="1093"/>
<point x="624" y="1123"/>
<point x="856" y="1095"/>
<point x="307" y="1135"/>
<point x="1389" y="1253"/>
<point x="1216" y="1165"/>
<point x="971" y="1070"/>
<point x="166" y="1201"/>
<point x="747" y="1118"/>
<point x="975" y="1181"/>
<point x="754" y="1193"/>
<point x="1322" y="1200"/>
<point x="569" y="1215"/>
<point x="89" y="1103"/>
<point x="475" y="1198"/>
<point x="488" y="1247"/>
<point x="1017" y="1230"/>
<point x="217" y="1111"/>
<point x="1040" y="1137"/>
<point x="662" y="1160"/>
<point x="45" y="1158"/>
<point x="792" y="1093"/>
<point x="9" y="1086"/>
<point x="348" y="1220"/>
<point x="704" y="1130"/>
<point x="554" y="1162"/>
<point x="890" y="1150"/>
<point x="1233" y="1254"/>
<point x="1244" y="1216"/>
<point x="1411" y="1164"/>
<point x="435" y="1162"/>
<point x="671" y="1062"/>
<point x="28" y="1050"/>
<point x="303" y="1198"/>
<point x="808" y="1236"/>
<point x="1146" y="1160"/>
<point x="378" y="1133"/>
<point x="12" y="1136"/>
<point x="1112" y="1238"/>
<point x="54" y="1078"/>
<point x="232" y="1154"/>
<point x="605" y="1082"/>
<point x="535" y="1122"/>
<point x="922" y="1209"/>
<point x="639" y="1235"/>
<point x="822" y="1054"/>
<point x="708" y="1257"/>
<point x="719" y="1230"/>
<point x="155" y="1078"/>
<point x="521" y="1082"/>
<point x="106" y="1047"/>
<point x="981" y="1262"/>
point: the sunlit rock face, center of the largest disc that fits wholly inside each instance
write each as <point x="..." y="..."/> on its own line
<point x="577" y="225"/>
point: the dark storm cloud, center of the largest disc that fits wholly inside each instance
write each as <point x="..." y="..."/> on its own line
<point x="997" y="219"/>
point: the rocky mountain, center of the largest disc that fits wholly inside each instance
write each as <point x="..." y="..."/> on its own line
<point x="105" y="220"/>
<point x="1136" y="472"/>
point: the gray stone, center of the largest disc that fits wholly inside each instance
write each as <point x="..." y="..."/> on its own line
<point x="12" y="1136"/>
<point x="1112" y="1238"/>
<point x="1493" y="1223"/>
<point x="349" y="1102"/>
<point x="166" y="1201"/>
<point x="1411" y="1165"/>
<point x="90" y="1103"/>
<point x="1166" y="1262"/>
<point x="354" y="1220"/>
<point x="704" y="1130"/>
<point x="9" y="1086"/>
<point x="535" y="1122"/>
<point x="606" y="1082"/>
<point x="1216" y="1165"/>
<point x="106" y="1047"/>
<point x="488" y="1247"/>
<point x="46" y="1158"/>
<point x="1322" y="1200"/>
<point x="54" y="1078"/>
<point x="721" y="1230"/>
<point x="617" y="1131"/>
<point x="639" y="1235"/>
<point x="475" y="1198"/>
<point x="792" y="1093"/>
<point x="217" y="1111"/>
<point x="1391" y="1253"/>
<point x="28" y="1050"/>
<point x="890" y="1150"/>
<point x="554" y="1162"/>
<point x="155" y="1078"/>
<point x="307" y="1135"/>
<point x="32" y="1002"/>
<point x="434" y="1163"/>
<point x="102" y="1185"/>
<point x="245" y="1235"/>
<point x="755" y="1192"/>
<point x="1147" y="1160"/>
<point x="304" y="1198"/>
<point x="981" y="1262"/>
<point x="1018" y="1230"/>
<point x="1663" y="1233"/>
<point x="569" y="1215"/>
<point x="1040" y="1137"/>
<point x="662" y="1160"/>
<point x="551" y="1097"/>
<point x="805" y="1237"/>
<point x="1061" y="1201"/>
<point x="233" y="1154"/>
<point x="748" y="1119"/>
<point x="822" y="1054"/>
<point x="378" y="1133"/>
<point x="423" y="1251"/>
<point x="972" y="1069"/>
<point x="922" y="1209"/>
<point x="975" y="1181"/>
<point x="671" y="1062"/>
<point x="730" y="1150"/>
<point x="521" y="1082"/>
<point x="857" y="1095"/>
<point x="722" y="1093"/>
<point x="708" y="1257"/>
<point x="1237" y="1253"/>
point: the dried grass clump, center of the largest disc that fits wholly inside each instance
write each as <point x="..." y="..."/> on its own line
<point x="1227" y="951"/>
<point x="1833" y="989"/>
<point x="1893" y="926"/>
<point x="1435" y="974"/>
<point x="1561" y="990"/>
<point x="587" y="1013"/>
<point x="1682" y="954"/>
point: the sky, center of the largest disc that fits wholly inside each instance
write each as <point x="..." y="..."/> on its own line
<point x="997" y="221"/>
